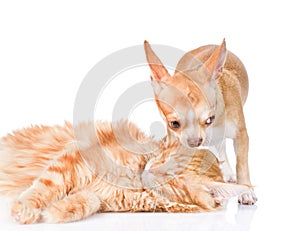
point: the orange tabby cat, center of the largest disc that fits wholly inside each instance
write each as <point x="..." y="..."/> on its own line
<point x="56" y="176"/>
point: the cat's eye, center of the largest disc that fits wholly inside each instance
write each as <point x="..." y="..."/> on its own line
<point x="174" y="124"/>
<point x="210" y="120"/>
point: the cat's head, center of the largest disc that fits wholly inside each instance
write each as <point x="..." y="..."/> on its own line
<point x="173" y="159"/>
<point x="182" y="167"/>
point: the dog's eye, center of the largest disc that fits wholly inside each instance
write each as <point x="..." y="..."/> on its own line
<point x="210" y="120"/>
<point x="174" y="124"/>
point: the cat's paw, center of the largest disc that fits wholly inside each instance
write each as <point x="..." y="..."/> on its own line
<point x="228" y="175"/>
<point x="25" y="214"/>
<point x="73" y="207"/>
<point x="248" y="198"/>
<point x="229" y="178"/>
<point x="57" y="213"/>
<point x="61" y="213"/>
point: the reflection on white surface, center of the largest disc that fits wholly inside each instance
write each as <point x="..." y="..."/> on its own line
<point x="232" y="217"/>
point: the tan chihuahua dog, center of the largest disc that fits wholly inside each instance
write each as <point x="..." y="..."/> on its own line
<point x="202" y="104"/>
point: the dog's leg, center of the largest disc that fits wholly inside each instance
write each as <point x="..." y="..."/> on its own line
<point x="241" y="146"/>
<point x="227" y="172"/>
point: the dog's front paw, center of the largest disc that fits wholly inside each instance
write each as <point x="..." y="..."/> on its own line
<point x="25" y="214"/>
<point x="248" y="198"/>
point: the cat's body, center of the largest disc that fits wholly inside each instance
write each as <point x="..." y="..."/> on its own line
<point x="56" y="176"/>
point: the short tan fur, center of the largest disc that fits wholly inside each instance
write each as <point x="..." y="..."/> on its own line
<point x="202" y="104"/>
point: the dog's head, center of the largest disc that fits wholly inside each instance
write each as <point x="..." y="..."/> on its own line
<point x="187" y="100"/>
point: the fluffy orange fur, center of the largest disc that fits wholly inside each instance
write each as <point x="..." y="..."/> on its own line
<point x="56" y="176"/>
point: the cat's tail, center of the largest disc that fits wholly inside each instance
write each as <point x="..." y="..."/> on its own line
<point x="25" y="153"/>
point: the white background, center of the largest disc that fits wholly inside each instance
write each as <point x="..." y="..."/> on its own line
<point x="47" y="48"/>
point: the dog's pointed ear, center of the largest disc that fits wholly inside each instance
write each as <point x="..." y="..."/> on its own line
<point x="158" y="71"/>
<point x="216" y="61"/>
<point x="224" y="191"/>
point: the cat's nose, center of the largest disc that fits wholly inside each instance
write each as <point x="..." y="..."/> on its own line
<point x="151" y="170"/>
<point x="194" y="142"/>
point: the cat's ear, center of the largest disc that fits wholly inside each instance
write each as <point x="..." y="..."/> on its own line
<point x="224" y="191"/>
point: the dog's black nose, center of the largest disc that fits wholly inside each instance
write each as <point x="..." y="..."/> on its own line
<point x="194" y="142"/>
